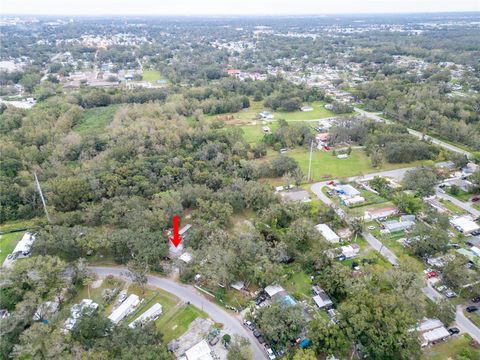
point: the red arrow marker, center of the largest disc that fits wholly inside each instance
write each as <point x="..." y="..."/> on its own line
<point x="176" y="239"/>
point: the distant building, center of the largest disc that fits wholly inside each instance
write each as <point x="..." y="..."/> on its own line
<point x="266" y="115"/>
<point x="328" y="233"/>
<point x="347" y="190"/>
<point x="397" y="226"/>
<point x="349" y="201"/>
<point x="77" y="310"/>
<point x="306" y="108"/>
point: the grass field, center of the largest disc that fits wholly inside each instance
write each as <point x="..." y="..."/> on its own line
<point x="246" y="116"/>
<point x="451" y="349"/>
<point x="297" y="283"/>
<point x="176" y="321"/>
<point x="151" y="76"/>
<point x="326" y="166"/>
<point x="96" y="119"/>
<point x="8" y="243"/>
<point x="318" y="112"/>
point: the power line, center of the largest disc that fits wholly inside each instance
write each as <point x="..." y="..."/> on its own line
<point x="41" y="196"/>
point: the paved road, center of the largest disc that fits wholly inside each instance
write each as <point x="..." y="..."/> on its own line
<point x="461" y="204"/>
<point x="465" y="324"/>
<point x="232" y="324"/>
<point x="416" y="133"/>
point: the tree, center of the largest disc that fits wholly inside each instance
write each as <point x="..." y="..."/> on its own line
<point x="305" y="354"/>
<point x="280" y="322"/>
<point x="327" y="338"/>
<point x="421" y="180"/>
<point x="91" y="326"/>
<point x="239" y="349"/>
<point x="407" y="203"/>
<point x="138" y="271"/>
<point x="443" y="310"/>
<point x="380" y="324"/>
<point x="428" y="240"/>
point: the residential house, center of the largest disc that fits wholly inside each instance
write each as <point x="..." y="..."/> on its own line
<point x="266" y="115"/>
<point x="328" y="233"/>
<point x="151" y="314"/>
<point x="200" y="351"/>
<point x="397" y="226"/>
<point x="124" y="309"/>
<point x="431" y="331"/>
<point x="465" y="224"/>
<point x="350" y="251"/>
<point x="321" y="299"/>
<point x="374" y="214"/>
<point x="77" y="310"/>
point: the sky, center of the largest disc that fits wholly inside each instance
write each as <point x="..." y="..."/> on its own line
<point x="231" y="7"/>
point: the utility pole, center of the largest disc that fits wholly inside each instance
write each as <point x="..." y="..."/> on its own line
<point x="41" y="197"/>
<point x="310" y="161"/>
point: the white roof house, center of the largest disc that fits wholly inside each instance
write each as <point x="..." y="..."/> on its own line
<point x="150" y="315"/>
<point x="353" y="200"/>
<point x="321" y="299"/>
<point x="396" y="226"/>
<point x="379" y="213"/>
<point x="431" y="330"/>
<point x="124" y="309"/>
<point x="348" y="190"/>
<point x="465" y="224"/>
<point x="200" y="351"/>
<point x="272" y="290"/>
<point x="328" y="233"/>
<point x="350" y="251"/>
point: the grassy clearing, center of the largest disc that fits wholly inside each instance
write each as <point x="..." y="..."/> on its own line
<point x="318" y="112"/>
<point x="8" y="243"/>
<point x="297" y="283"/>
<point x="474" y="317"/>
<point x="176" y="321"/>
<point x="151" y="76"/>
<point x="96" y="119"/>
<point x="454" y="209"/>
<point x="17" y="224"/>
<point x="451" y="349"/>
<point x="326" y="166"/>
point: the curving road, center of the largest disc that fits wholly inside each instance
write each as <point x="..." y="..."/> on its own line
<point x="232" y="324"/>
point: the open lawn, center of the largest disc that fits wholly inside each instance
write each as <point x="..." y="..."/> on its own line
<point x="8" y="243"/>
<point x="176" y="321"/>
<point x="297" y="283"/>
<point x="326" y="166"/>
<point x="151" y="76"/>
<point x="96" y="119"/>
<point x="452" y="349"/>
<point x="246" y="116"/>
<point x="318" y="112"/>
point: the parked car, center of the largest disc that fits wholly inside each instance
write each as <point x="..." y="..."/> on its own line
<point x="450" y="294"/>
<point x="331" y="182"/>
<point x="471" y="308"/>
<point x="475" y="199"/>
<point x="431" y="274"/>
<point x="454" y="331"/>
<point x="476" y="299"/>
<point x="371" y="227"/>
<point x="328" y="148"/>
<point x="257" y="333"/>
<point x="283" y="151"/>
<point x="441" y="288"/>
<point x="248" y="324"/>
<point x="271" y="355"/>
<point x="261" y="340"/>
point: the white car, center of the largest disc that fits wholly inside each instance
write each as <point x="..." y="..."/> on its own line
<point x="271" y="355"/>
<point x="371" y="227"/>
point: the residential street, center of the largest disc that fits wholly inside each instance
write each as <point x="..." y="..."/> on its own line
<point x="463" y="323"/>
<point x="461" y="204"/>
<point x="187" y="293"/>
<point x="416" y="133"/>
